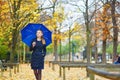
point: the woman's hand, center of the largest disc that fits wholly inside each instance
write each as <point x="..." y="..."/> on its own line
<point x="33" y="44"/>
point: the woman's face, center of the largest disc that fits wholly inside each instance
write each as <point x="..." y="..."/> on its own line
<point x="39" y="33"/>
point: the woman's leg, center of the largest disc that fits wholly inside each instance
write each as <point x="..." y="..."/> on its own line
<point x="36" y="73"/>
<point x="39" y="74"/>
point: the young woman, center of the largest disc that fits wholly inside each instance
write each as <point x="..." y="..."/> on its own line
<point x="38" y="46"/>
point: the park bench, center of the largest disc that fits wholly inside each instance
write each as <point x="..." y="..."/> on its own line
<point x="80" y="65"/>
<point x="2" y="67"/>
<point x="71" y="65"/>
<point x="62" y="62"/>
<point x="110" y="71"/>
<point x="15" y="66"/>
<point x="57" y="62"/>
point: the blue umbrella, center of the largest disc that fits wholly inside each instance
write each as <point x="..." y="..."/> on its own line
<point x="28" y="33"/>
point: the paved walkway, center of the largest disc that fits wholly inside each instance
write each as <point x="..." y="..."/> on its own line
<point x="48" y="74"/>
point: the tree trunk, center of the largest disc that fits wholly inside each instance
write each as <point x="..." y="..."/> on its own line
<point x="55" y="46"/>
<point x="87" y="32"/>
<point x="15" y="36"/>
<point x="55" y="50"/>
<point x="115" y="29"/>
<point x="88" y="46"/>
<point x="95" y="33"/>
<point x="69" y="45"/>
<point x="14" y="43"/>
<point x="60" y="50"/>
<point x="104" y="51"/>
<point x="15" y="33"/>
<point x="96" y="52"/>
<point x="24" y="53"/>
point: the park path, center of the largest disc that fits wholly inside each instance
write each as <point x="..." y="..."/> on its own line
<point x="48" y="74"/>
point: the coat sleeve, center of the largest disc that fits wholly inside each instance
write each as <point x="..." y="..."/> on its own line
<point x="31" y="47"/>
<point x="44" y="50"/>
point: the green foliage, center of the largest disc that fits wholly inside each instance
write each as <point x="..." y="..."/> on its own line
<point x="50" y="48"/>
<point x="109" y="49"/>
<point x="118" y="49"/>
<point x="3" y="50"/>
<point x="75" y="44"/>
<point x="78" y="44"/>
<point x="64" y="49"/>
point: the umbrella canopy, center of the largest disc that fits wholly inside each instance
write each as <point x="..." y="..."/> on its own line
<point x="28" y="33"/>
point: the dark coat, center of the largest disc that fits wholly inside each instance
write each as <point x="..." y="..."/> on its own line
<point x="38" y="54"/>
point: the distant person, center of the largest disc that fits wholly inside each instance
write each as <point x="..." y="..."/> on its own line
<point x="117" y="60"/>
<point x="38" y="46"/>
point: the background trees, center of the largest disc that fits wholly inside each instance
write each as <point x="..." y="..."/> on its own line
<point x="16" y="14"/>
<point x="97" y="21"/>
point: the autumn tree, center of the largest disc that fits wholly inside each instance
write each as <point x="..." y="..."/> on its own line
<point x="73" y="33"/>
<point x="103" y="28"/>
<point x="114" y="15"/>
<point x="5" y="33"/>
<point x="16" y="14"/>
<point x="111" y="9"/>
<point x="53" y="25"/>
<point x="88" y="14"/>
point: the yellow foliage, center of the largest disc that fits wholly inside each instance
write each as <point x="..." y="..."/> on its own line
<point x="102" y="26"/>
<point x="77" y="37"/>
<point x="9" y="15"/>
<point x="57" y="17"/>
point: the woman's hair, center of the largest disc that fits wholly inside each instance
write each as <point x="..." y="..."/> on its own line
<point x="42" y="38"/>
